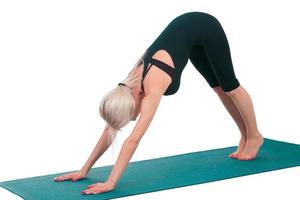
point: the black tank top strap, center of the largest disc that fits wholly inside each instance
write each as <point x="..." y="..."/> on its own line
<point x="161" y="65"/>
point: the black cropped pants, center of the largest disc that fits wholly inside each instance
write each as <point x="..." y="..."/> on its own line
<point x="212" y="59"/>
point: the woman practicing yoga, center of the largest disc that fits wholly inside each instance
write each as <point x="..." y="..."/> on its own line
<point x="196" y="36"/>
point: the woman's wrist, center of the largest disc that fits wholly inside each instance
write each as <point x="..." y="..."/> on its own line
<point x="111" y="183"/>
<point x="84" y="171"/>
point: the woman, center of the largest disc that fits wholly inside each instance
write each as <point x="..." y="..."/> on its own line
<point x="196" y="36"/>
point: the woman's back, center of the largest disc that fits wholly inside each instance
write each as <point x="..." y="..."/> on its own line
<point x="178" y="38"/>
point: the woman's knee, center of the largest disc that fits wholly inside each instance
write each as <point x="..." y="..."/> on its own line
<point x="233" y="91"/>
<point x="218" y="89"/>
<point x="231" y="86"/>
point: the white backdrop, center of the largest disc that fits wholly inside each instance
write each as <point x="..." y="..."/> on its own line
<point x="58" y="58"/>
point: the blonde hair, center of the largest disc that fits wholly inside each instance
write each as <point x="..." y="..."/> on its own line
<point x="118" y="105"/>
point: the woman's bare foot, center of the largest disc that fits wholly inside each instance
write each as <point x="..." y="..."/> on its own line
<point x="240" y="148"/>
<point x="252" y="147"/>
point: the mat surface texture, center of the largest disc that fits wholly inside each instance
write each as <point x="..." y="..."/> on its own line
<point x="161" y="173"/>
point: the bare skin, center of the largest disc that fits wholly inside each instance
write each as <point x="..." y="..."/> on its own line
<point x="153" y="72"/>
<point x="155" y="84"/>
<point x="98" y="150"/>
<point x="237" y="102"/>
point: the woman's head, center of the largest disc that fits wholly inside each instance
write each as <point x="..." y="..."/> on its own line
<point x="122" y="104"/>
<point x="117" y="107"/>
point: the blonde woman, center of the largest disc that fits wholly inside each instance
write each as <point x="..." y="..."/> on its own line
<point x="196" y="36"/>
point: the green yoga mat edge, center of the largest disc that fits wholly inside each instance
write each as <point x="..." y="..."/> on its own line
<point x="164" y="189"/>
<point x="2" y="184"/>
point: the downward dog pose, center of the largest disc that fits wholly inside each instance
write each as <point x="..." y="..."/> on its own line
<point x="196" y="36"/>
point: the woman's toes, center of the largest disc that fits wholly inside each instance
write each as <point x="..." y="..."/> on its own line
<point x="241" y="157"/>
<point x="233" y="155"/>
<point x="251" y="158"/>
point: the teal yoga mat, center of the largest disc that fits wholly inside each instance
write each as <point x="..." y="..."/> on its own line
<point x="161" y="173"/>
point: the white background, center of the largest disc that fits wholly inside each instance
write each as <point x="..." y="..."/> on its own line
<point x="58" y="58"/>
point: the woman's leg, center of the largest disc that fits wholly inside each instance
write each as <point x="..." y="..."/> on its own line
<point x="236" y="116"/>
<point x="199" y="59"/>
<point x="243" y="102"/>
<point x="218" y="53"/>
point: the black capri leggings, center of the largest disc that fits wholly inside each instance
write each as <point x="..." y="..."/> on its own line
<point x="213" y="60"/>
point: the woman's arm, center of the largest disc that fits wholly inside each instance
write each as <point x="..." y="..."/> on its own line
<point x="98" y="150"/>
<point x="148" y="108"/>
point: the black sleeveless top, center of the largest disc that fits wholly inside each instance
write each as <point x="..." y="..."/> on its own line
<point x="178" y="38"/>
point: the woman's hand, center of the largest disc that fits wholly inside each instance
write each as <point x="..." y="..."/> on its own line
<point x="73" y="176"/>
<point x="98" y="188"/>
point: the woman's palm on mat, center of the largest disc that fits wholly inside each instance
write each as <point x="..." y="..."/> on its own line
<point x="73" y="176"/>
<point x="91" y="189"/>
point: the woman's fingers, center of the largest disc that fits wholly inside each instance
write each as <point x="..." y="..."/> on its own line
<point x="76" y="178"/>
<point x="71" y="176"/>
<point x="60" y="178"/>
<point x="64" y="177"/>
<point x="90" y="186"/>
<point x="98" y="188"/>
